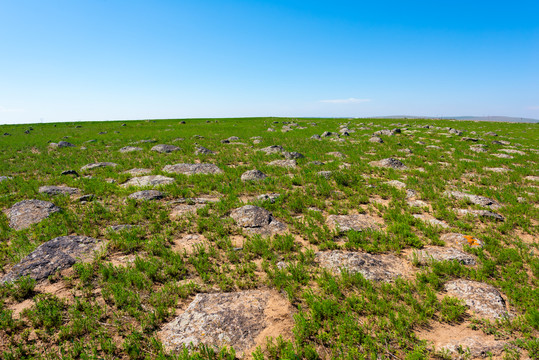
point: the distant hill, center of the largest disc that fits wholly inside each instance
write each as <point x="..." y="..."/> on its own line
<point x="469" y="118"/>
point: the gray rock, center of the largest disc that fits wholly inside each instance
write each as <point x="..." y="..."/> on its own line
<point x="123" y="227"/>
<point x="165" y="149"/>
<point x="138" y="171"/>
<point x="436" y="253"/>
<point x="3" y="178"/>
<point x="532" y="178"/>
<point x="293" y="155"/>
<point x="316" y="137"/>
<point x="57" y="254"/>
<point x="268" y="197"/>
<point x="474" y="199"/>
<point x="373" y="267"/>
<point x="201" y="150"/>
<point x="470" y="139"/>
<point x="63" y="144"/>
<point x="253" y="175"/>
<point x="460" y="240"/>
<point x="147" y="141"/>
<point x="490" y="133"/>
<point x="257" y="220"/>
<point x="192" y="169"/>
<point x="336" y="154"/>
<point x="234" y="319"/>
<point x="273" y="149"/>
<point x="482" y="298"/>
<point x="316" y="163"/>
<point x="475" y="346"/>
<point x="512" y="151"/>
<point x="376" y="139"/>
<point x="284" y="163"/>
<point x="357" y="222"/>
<point x="430" y="220"/>
<point x="127" y="149"/>
<point x="325" y="174"/>
<point x="147" y="195"/>
<point x="58" y="190"/>
<point x="387" y="132"/>
<point x="503" y="156"/>
<point x="455" y="132"/>
<point x="28" y="212"/>
<point x="149" y="180"/>
<point x="481" y="213"/>
<point x="389" y="163"/>
<point x="98" y="165"/>
<point x="397" y="184"/>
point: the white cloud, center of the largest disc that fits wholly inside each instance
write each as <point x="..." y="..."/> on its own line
<point x="346" y="101"/>
<point x="7" y="110"/>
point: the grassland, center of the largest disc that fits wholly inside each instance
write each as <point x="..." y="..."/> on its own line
<point x="114" y="305"/>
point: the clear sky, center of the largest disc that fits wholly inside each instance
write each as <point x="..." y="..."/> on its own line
<point x="104" y="59"/>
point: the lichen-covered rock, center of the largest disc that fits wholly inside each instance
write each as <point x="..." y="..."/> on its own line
<point x="257" y="220"/>
<point x="28" y="212"/>
<point x="482" y="298"/>
<point x="435" y="253"/>
<point x="460" y="240"/>
<point x="253" y="175"/>
<point x="357" y="222"/>
<point x="192" y="169"/>
<point x="164" y="148"/>
<point x="268" y="197"/>
<point x="284" y="163"/>
<point x="149" y="180"/>
<point x="431" y="220"/>
<point x="57" y="254"/>
<point x="241" y="320"/>
<point x="481" y="213"/>
<point x="293" y="155"/>
<point x="389" y="163"/>
<point x="147" y="195"/>
<point x="98" y="165"/>
<point x="57" y="190"/>
<point x="372" y="267"/>
<point x="127" y="149"/>
<point x="273" y="149"/>
<point x="474" y="199"/>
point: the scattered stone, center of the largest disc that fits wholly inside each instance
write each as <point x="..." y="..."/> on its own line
<point x="284" y="163"/>
<point x="56" y="254"/>
<point x="460" y="240"/>
<point x="376" y="139"/>
<point x="147" y="195"/>
<point x="70" y="172"/>
<point x="253" y="175"/>
<point x="417" y="203"/>
<point x="474" y="199"/>
<point x="316" y="163"/>
<point x="372" y="267"/>
<point x="503" y="156"/>
<point x="358" y="222"/>
<point x="532" y="178"/>
<point x="316" y="137"/>
<point x="456" y="132"/>
<point x="58" y="190"/>
<point x="192" y="169"/>
<point x="475" y="346"/>
<point x="274" y="149"/>
<point x="325" y="174"/>
<point x="327" y="134"/>
<point x="127" y="149"/>
<point x="336" y="154"/>
<point x="482" y="298"/>
<point x="241" y="320"/>
<point x="512" y="151"/>
<point x="98" y="165"/>
<point x="268" y="197"/>
<point x="396" y="183"/>
<point x="293" y="155"/>
<point x="138" y="171"/>
<point x="497" y="169"/>
<point x="478" y="149"/>
<point x="436" y="253"/>
<point x="481" y="213"/>
<point x="201" y="150"/>
<point x="430" y="220"/>
<point x="387" y="132"/>
<point x="149" y="180"/>
<point x="2" y="178"/>
<point x="63" y="144"/>
<point x="86" y="198"/>
<point x="389" y="163"/>
<point x="411" y="193"/>
<point x="147" y="141"/>
<point x="257" y="220"/>
<point x="270" y="130"/>
<point x="29" y="212"/>
<point x="490" y="133"/>
<point x="165" y="149"/>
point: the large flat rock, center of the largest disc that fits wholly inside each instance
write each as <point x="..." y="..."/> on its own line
<point x="29" y="212"/>
<point x="357" y="222"/>
<point x="56" y="254"/>
<point x="474" y="199"/>
<point x="241" y="320"/>
<point x="389" y="163"/>
<point x="149" y="180"/>
<point x="459" y="240"/>
<point x="436" y="253"/>
<point x="485" y="300"/>
<point x="257" y="220"/>
<point x="98" y="165"/>
<point x="192" y="169"/>
<point x="372" y="267"/>
<point x="58" y="190"/>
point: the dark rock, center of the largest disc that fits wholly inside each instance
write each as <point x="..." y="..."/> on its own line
<point x="257" y="220"/>
<point x="28" y="212"/>
<point x="57" y="254"/>
<point x="70" y="172"/>
<point x="98" y="165"/>
<point x="316" y="137"/>
<point x="86" y="198"/>
<point x="163" y="148"/>
<point x="389" y="163"/>
<point x="376" y="139"/>
<point x="147" y="195"/>
<point x="268" y="197"/>
<point x="63" y="144"/>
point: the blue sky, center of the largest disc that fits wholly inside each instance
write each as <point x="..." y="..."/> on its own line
<point x="98" y="60"/>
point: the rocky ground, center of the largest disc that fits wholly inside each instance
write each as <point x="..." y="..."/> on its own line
<point x="269" y="238"/>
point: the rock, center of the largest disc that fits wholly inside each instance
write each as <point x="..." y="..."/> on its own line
<point x="316" y="137"/>
<point x="325" y="174"/>
<point x="411" y="193"/>
<point x="70" y="172"/>
<point x="512" y="151"/>
<point x="337" y="154"/>
<point x="460" y="240"/>
<point x="149" y="180"/>
<point x="455" y="132"/>
<point x="327" y="134"/>
<point x="532" y="178"/>
<point x="316" y="163"/>
<point x="147" y="195"/>
<point x="376" y="139"/>
<point x="490" y="133"/>
<point x="127" y="149"/>
<point x="430" y="220"/>
<point x="253" y="175"/>
<point x="98" y="165"/>
<point x="358" y="222"/>
<point x="138" y="171"/>
<point x="389" y="163"/>
<point x="481" y="213"/>
<point x="373" y="267"/>
<point x="241" y="320"/>
<point x="284" y="163"/>
<point x="293" y="155"/>
<point x="192" y="169"/>
<point x="274" y="149"/>
<point x="165" y="149"/>
<point x="478" y="149"/>
<point x="201" y="150"/>
<point x="396" y="183"/>
<point x="3" y="178"/>
<point x="405" y="150"/>
<point x="417" y="203"/>
<point x="482" y="298"/>
<point x="270" y="130"/>
<point x="436" y="253"/>
<point x="387" y="132"/>
<point x="86" y="198"/>
<point x="57" y="190"/>
<point x="182" y="209"/>
<point x="233" y="138"/>
<point x="56" y="254"/>
<point x="503" y="156"/>
<point x="146" y="141"/>
<point x="63" y="144"/>
<point x="475" y="346"/>
<point x="474" y="199"/>
<point x="257" y="220"/>
<point x="28" y="212"/>
<point x="268" y="197"/>
<point x="497" y="169"/>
